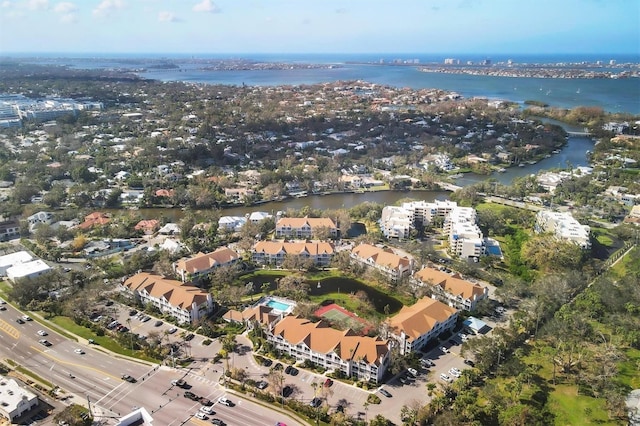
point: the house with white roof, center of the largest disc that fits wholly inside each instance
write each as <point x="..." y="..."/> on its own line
<point x="31" y="269"/>
<point x="231" y="223"/>
<point x="11" y="259"/>
<point x="15" y="400"/>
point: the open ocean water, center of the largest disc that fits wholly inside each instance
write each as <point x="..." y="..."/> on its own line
<point x="613" y="95"/>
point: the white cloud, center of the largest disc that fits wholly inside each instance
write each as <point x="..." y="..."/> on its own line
<point x="38" y="4"/>
<point x="65" y="7"/>
<point x="106" y="7"/>
<point x="69" y="18"/>
<point x="206" y="6"/>
<point x="165" y="16"/>
<point x="6" y="4"/>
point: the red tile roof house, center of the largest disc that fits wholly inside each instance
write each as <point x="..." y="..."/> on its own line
<point x="201" y="264"/>
<point x="147" y="226"/>
<point x="93" y="219"/>
<point x="274" y="252"/>
<point x="304" y="227"/>
<point x="184" y="301"/>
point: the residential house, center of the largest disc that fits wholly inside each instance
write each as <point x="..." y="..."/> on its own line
<point x="201" y="264"/>
<point x="94" y="219"/>
<point x="383" y="259"/>
<point x="38" y="218"/>
<point x="9" y="229"/>
<point x="237" y="195"/>
<point x="416" y="325"/>
<point x="257" y="217"/>
<point x="452" y="289"/>
<point x="231" y="223"/>
<point x="186" y="302"/>
<point x="305" y="227"/>
<point x="274" y="252"/>
<point x="358" y="357"/>
<point x="147" y="226"/>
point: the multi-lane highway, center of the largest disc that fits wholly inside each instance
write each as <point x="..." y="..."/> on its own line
<point x="95" y="376"/>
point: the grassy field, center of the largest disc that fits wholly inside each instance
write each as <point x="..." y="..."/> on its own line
<point x="625" y="265"/>
<point x="578" y="410"/>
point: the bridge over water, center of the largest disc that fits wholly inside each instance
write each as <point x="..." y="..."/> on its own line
<point x="584" y="134"/>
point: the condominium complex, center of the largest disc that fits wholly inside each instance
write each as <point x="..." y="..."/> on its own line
<point x="452" y="289"/>
<point x="186" y="302"/>
<point x="202" y="264"/>
<point x="564" y="227"/>
<point x="358" y="357"/>
<point x="383" y="259"/>
<point x="305" y="227"/>
<point x="275" y="252"/>
<point x="414" y="326"/>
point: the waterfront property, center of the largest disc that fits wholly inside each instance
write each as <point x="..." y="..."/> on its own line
<point x="186" y="302"/>
<point x="358" y="357"/>
<point x="451" y="289"/>
<point x="305" y="227"/>
<point x="563" y="227"/>
<point x="416" y="325"/>
<point x="465" y="237"/>
<point x="384" y="260"/>
<point x="202" y="264"/>
<point x="275" y="252"/>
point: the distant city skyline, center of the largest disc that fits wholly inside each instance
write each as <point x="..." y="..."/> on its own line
<point x="320" y="26"/>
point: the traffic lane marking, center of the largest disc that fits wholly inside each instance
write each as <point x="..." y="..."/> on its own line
<point x="46" y="354"/>
<point x="9" y="329"/>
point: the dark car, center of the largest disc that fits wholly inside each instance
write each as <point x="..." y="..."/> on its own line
<point x="45" y="342"/>
<point x="469" y="362"/>
<point x="20" y="321"/>
<point x="287" y="390"/>
<point x="267" y="362"/>
<point x="385" y="393"/>
<point x="294" y="371"/>
<point x="132" y="312"/>
<point x="189" y="336"/>
<point x="328" y="383"/>
<point x="277" y="367"/>
<point x="288" y="369"/>
<point x="315" y="402"/>
<point x="218" y="422"/>
<point x="190" y="395"/>
<point x="262" y="384"/>
<point x="128" y="378"/>
<point x="179" y="383"/>
<point x="204" y="401"/>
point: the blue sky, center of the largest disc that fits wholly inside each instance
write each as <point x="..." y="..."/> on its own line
<point x="320" y="26"/>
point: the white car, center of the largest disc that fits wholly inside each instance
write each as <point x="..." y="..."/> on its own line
<point x="79" y="351"/>
<point x="42" y="333"/>
<point x="200" y="415"/>
<point x="207" y="409"/>
<point x="464" y="337"/>
<point x="413" y="372"/>
<point x="446" y="378"/>
<point x="454" y="372"/>
<point x="26" y="317"/>
<point x="224" y="401"/>
<point x="443" y="349"/>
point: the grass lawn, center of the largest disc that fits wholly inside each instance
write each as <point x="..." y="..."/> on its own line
<point x="628" y="370"/>
<point x="603" y="236"/>
<point x="624" y="265"/>
<point x="103" y="341"/>
<point x="572" y="409"/>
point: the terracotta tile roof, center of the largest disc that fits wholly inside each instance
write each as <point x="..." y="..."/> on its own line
<point x="164" y="193"/>
<point x="321" y="338"/>
<point x="420" y="318"/>
<point x="261" y="313"/>
<point x="311" y="248"/>
<point x="299" y="222"/>
<point x="178" y="294"/>
<point x="147" y="224"/>
<point x="452" y="284"/>
<point x="381" y="256"/>
<point x="95" y="218"/>
<point x="204" y="262"/>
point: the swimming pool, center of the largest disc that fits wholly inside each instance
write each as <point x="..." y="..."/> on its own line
<point x="280" y="306"/>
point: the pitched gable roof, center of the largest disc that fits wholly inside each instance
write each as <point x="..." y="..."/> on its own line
<point x="311" y="222"/>
<point x="381" y="256"/>
<point x="321" y="338"/>
<point x="421" y="317"/>
<point x="452" y="284"/>
<point x="178" y="294"/>
<point x="310" y="248"/>
<point x="204" y="262"/>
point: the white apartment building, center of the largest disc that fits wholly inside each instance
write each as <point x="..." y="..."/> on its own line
<point x="358" y="357"/>
<point x="564" y="227"/>
<point x="186" y="302"/>
<point x="465" y="237"/>
<point x="396" y="222"/>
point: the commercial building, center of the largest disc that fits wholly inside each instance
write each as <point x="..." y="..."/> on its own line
<point x="186" y="302"/>
<point x="384" y="260"/>
<point x="202" y="264"/>
<point x="452" y="289"/>
<point x="14" y="399"/>
<point x="564" y="227"/>
<point x="8" y="260"/>
<point x="275" y="252"/>
<point x="358" y="357"/>
<point x="31" y="269"/>
<point x="414" y="326"/>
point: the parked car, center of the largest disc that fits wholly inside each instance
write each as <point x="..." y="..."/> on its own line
<point x="200" y="415"/>
<point x="287" y="390"/>
<point x="3" y="308"/>
<point x="189" y="336"/>
<point x="262" y="384"/>
<point x="446" y="378"/>
<point x="278" y="367"/>
<point x="205" y="401"/>
<point x="328" y="383"/>
<point x="288" y="369"/>
<point x="190" y="395"/>
<point x="385" y="393"/>
<point x="443" y="349"/>
<point x="157" y="323"/>
<point x="413" y="372"/>
<point x="455" y="372"/>
<point x="469" y="362"/>
<point x="267" y="362"/>
<point x="172" y="330"/>
<point x="315" y="402"/>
